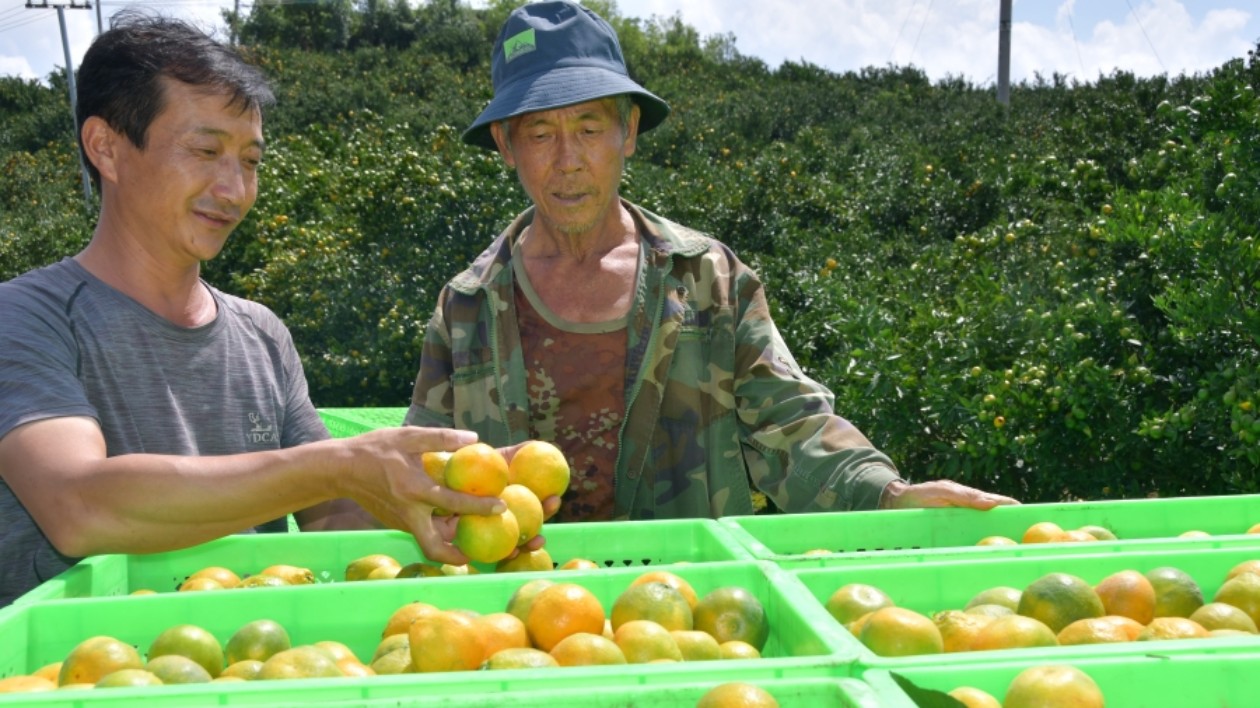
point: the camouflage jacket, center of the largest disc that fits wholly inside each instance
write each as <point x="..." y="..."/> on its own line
<point x="716" y="404"/>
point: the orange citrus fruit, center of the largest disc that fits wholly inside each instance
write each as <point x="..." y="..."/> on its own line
<point x="1048" y="686"/>
<point x="400" y="621"/>
<point x="477" y="469"/>
<point x="898" y="631"/>
<point x="737" y="694"/>
<point x="528" y="511"/>
<point x="997" y="541"/>
<point x="262" y="580"/>
<point x="446" y="641"/>
<point x="173" y="668"/>
<point x="49" y="671"/>
<point x="1100" y="533"/>
<point x="128" y="678"/>
<point x="1172" y="628"/>
<point x="487" y="539"/>
<point x="542" y="467"/>
<point x="654" y="601"/>
<point x="526" y="561"/>
<point x="1220" y="615"/>
<point x="732" y="613"/>
<point x="586" y="649"/>
<point x="1247" y="566"/>
<point x="999" y="595"/>
<point x="522" y="658"/>
<point x="1242" y="591"/>
<point x="501" y="630"/>
<point x="362" y="568"/>
<point x="393" y="663"/>
<point x="1043" y="532"/>
<point x="1129" y="594"/>
<point x="26" y="684"/>
<point x="696" y="645"/>
<point x="190" y="641"/>
<point x="560" y="610"/>
<point x="854" y="600"/>
<point x="579" y="564"/>
<point x="523" y="597"/>
<point x="434" y="464"/>
<point x="96" y="657"/>
<point x="671" y="579"/>
<point x="246" y="669"/>
<point x="224" y="577"/>
<point x="1176" y="593"/>
<point x="337" y="651"/>
<point x="298" y="663"/>
<point x="972" y="697"/>
<point x="959" y="629"/>
<point x="642" y="641"/>
<point x="737" y="649"/>
<point x="1059" y="599"/>
<point x="291" y="574"/>
<point x="256" y="640"/>
<point x="203" y="583"/>
<point x="1014" y="632"/>
<point x="1100" y="630"/>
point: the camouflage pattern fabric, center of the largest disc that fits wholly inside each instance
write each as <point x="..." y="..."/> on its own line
<point x="717" y="405"/>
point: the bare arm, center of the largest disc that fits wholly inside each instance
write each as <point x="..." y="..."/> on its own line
<point x="88" y="503"/>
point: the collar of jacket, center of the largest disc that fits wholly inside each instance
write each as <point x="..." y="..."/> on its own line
<point x="664" y="239"/>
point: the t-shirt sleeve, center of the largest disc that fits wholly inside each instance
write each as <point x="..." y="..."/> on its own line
<point x="38" y="362"/>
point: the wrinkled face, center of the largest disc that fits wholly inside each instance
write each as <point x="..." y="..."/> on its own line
<point x="197" y="176"/>
<point x="569" y="161"/>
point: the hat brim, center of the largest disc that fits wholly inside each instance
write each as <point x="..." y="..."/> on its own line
<point x="564" y="86"/>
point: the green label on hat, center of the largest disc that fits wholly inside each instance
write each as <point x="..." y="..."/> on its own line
<point x="518" y="44"/>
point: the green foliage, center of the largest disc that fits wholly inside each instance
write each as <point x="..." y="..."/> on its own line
<point x="1054" y="299"/>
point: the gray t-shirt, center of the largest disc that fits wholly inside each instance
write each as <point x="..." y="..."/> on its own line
<point x="70" y="345"/>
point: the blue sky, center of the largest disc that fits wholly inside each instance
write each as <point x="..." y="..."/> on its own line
<point x="1081" y="39"/>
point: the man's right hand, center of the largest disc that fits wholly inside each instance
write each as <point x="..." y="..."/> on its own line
<point x="390" y="483"/>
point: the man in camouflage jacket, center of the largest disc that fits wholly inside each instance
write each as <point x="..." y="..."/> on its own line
<point x="691" y="399"/>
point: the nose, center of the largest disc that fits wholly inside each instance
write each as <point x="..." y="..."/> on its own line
<point x="569" y="153"/>
<point x="234" y="181"/>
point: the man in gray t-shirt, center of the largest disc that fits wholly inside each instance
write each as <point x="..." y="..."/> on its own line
<point x="141" y="410"/>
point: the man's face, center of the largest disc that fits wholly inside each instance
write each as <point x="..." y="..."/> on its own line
<point x="196" y="178"/>
<point x="569" y="161"/>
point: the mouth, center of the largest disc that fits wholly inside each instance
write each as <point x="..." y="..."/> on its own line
<point x="216" y="219"/>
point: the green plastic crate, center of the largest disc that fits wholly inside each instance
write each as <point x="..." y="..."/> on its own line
<point x="35" y="634"/>
<point x="930" y="587"/>
<point x="915" y="534"/>
<point x="1213" y="680"/>
<point x="790" y="693"/>
<point x="348" y="422"/>
<point x="327" y="553"/>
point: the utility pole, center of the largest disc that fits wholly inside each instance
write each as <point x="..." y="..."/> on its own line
<point x="74" y="113"/>
<point x="1004" y="55"/>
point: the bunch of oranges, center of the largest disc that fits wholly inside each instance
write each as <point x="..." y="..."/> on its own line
<point x="537" y="471"/>
<point x="1058" y="609"/>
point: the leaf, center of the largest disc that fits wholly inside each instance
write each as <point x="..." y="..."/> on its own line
<point x="926" y="697"/>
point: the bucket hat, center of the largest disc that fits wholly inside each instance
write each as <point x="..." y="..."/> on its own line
<point x="553" y="54"/>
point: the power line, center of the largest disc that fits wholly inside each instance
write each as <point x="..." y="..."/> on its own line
<point x="904" y="20"/>
<point x="1148" y="38"/>
<point x="919" y="36"/>
<point x="1076" y="44"/>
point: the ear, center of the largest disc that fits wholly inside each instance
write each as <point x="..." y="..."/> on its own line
<point x="501" y="141"/>
<point x="100" y="144"/>
<point x="632" y="132"/>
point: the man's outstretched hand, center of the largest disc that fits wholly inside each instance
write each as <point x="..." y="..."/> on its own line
<point x="938" y="493"/>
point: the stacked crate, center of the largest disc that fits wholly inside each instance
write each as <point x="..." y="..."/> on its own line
<point x="927" y="560"/>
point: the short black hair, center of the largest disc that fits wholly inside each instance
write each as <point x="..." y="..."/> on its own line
<point x="119" y="79"/>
